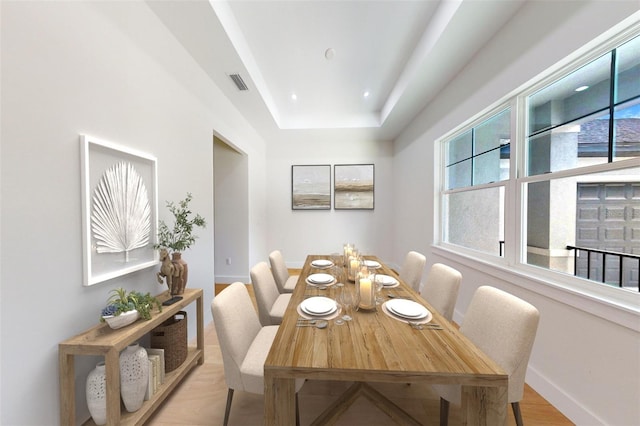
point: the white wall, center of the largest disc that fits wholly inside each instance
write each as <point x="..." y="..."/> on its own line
<point x="298" y="233"/>
<point x="586" y="366"/>
<point x="108" y="69"/>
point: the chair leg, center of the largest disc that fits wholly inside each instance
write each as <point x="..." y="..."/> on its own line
<point x="444" y="412"/>
<point x="228" y="409"/>
<point x="517" y="413"/>
<point x="297" y="411"/>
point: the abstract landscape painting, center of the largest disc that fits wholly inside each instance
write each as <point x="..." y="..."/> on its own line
<point x="311" y="187"/>
<point x="353" y="186"/>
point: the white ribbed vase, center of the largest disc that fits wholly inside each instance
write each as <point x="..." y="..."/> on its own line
<point x="96" y="392"/>
<point x="134" y="376"/>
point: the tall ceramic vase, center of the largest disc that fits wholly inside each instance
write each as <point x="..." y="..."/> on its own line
<point x="134" y="376"/>
<point x="96" y="393"/>
<point x="179" y="283"/>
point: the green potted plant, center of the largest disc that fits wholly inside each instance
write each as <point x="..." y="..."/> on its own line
<point x="123" y="308"/>
<point x="173" y="241"/>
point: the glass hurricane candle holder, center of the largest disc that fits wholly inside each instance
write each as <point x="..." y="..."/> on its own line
<point x="366" y="290"/>
<point x="347" y="252"/>
<point x="353" y="267"/>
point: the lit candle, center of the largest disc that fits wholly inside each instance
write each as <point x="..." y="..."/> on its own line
<point x="365" y="293"/>
<point x="354" y="265"/>
<point x="347" y="252"/>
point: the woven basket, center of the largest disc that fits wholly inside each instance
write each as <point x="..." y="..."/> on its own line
<point x="171" y="336"/>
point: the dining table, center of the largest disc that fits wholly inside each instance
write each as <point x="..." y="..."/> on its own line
<point x="375" y="346"/>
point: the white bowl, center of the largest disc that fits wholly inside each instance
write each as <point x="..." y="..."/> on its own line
<point x="123" y="319"/>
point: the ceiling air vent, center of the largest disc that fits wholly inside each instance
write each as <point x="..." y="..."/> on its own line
<point x="239" y="82"/>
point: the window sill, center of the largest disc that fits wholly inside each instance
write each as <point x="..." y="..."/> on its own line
<point x="612" y="304"/>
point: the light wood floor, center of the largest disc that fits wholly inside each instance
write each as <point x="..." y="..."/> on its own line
<point x="200" y="400"/>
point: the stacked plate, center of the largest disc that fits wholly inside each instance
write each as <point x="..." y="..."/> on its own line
<point x="372" y="264"/>
<point x="407" y="310"/>
<point x="320" y="279"/>
<point x="386" y="280"/>
<point x="321" y="263"/>
<point x="318" y="306"/>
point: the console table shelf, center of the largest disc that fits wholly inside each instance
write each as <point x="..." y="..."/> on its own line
<point x="103" y="341"/>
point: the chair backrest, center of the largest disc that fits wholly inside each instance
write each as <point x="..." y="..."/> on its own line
<point x="441" y="288"/>
<point x="412" y="269"/>
<point x="265" y="289"/>
<point x="504" y="327"/>
<point x="279" y="269"/>
<point x="237" y="325"/>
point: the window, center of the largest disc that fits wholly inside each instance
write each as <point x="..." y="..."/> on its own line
<point x="477" y="164"/>
<point x="480" y="154"/>
<point x="579" y="176"/>
<point x="595" y="236"/>
<point x="570" y="130"/>
<point x="570" y="122"/>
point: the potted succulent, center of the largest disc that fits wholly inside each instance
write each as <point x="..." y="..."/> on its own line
<point x="124" y="308"/>
<point x="172" y="241"/>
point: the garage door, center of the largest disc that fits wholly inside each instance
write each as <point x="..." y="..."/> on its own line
<point x="608" y="218"/>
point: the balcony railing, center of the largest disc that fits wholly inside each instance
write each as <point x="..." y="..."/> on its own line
<point x="605" y="254"/>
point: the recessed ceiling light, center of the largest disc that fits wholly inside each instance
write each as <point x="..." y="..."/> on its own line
<point x="581" y="88"/>
<point x="366" y="94"/>
<point x="294" y="97"/>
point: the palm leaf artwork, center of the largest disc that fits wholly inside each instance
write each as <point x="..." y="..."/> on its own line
<point x="121" y="216"/>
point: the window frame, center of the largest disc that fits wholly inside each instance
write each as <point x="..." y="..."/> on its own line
<point x="440" y="181"/>
<point x="611" y="303"/>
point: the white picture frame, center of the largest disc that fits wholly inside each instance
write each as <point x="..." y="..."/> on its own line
<point x="119" y="172"/>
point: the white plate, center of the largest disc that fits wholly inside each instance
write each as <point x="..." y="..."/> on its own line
<point x="407" y="308"/>
<point x="371" y="264"/>
<point x="320" y="278"/>
<point x="393" y="315"/>
<point x="318" y="305"/>
<point x="331" y="315"/>
<point x="386" y="280"/>
<point x="320" y="285"/>
<point x="322" y="315"/>
<point x="321" y="263"/>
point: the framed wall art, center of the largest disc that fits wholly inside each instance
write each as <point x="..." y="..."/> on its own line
<point x="353" y="186"/>
<point x="311" y="187"/>
<point x="119" y="210"/>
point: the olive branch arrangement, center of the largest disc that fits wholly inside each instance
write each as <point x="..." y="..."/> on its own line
<point x="181" y="236"/>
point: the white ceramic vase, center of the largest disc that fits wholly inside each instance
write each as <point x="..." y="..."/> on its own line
<point x="134" y="376"/>
<point x="96" y="392"/>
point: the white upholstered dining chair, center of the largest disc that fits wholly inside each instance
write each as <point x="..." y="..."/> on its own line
<point x="412" y="269"/>
<point x="271" y="304"/>
<point x="503" y="327"/>
<point x="244" y="343"/>
<point x="441" y="288"/>
<point x="285" y="282"/>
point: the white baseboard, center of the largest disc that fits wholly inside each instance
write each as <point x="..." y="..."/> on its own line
<point x="561" y="400"/>
<point x="232" y="279"/>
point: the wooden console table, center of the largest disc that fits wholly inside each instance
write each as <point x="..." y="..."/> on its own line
<point x="101" y="340"/>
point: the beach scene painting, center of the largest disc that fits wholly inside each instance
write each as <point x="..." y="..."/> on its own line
<point x="311" y="187"/>
<point x="353" y="186"/>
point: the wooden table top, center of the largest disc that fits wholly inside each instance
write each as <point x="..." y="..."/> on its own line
<point x="376" y="347"/>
